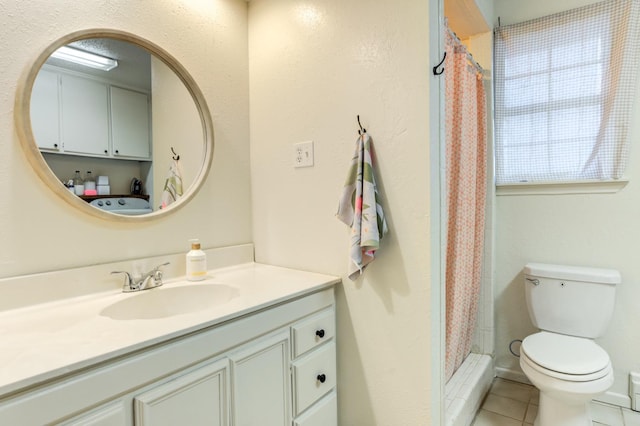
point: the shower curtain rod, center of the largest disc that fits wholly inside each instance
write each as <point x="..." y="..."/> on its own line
<point x="466" y="51"/>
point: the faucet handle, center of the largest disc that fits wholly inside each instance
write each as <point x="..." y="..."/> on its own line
<point x="129" y="284"/>
<point x="127" y="277"/>
<point x="158" y="273"/>
<point x="157" y="268"/>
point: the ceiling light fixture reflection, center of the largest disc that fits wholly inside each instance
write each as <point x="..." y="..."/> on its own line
<point x="87" y="59"/>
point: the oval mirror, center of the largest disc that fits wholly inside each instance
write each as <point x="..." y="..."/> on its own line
<point x="114" y="125"/>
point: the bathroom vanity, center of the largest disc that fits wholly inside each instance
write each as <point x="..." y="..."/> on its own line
<point x="251" y="345"/>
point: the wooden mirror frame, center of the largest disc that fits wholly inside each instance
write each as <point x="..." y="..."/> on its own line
<point x="22" y="117"/>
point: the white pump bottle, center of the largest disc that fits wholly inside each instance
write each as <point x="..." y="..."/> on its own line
<point x="196" y="262"/>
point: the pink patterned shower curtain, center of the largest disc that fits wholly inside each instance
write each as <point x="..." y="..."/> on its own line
<point x="466" y="163"/>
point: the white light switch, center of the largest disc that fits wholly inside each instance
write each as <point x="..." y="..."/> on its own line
<point x="303" y="154"/>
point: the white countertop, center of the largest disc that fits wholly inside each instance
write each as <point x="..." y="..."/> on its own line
<point x="45" y="341"/>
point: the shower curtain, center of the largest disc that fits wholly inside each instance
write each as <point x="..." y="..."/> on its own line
<point x="465" y="123"/>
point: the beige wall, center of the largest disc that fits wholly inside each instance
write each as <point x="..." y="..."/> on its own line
<point x="40" y="233"/>
<point x="310" y="72"/>
<point x="314" y="66"/>
<point x="177" y="126"/>
<point x="600" y="230"/>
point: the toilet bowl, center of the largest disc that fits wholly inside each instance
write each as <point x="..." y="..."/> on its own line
<point x="571" y="306"/>
<point x="569" y="372"/>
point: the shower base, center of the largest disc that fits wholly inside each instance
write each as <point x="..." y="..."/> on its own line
<point x="466" y="389"/>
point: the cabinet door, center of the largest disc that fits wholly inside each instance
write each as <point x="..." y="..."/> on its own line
<point x="112" y="414"/>
<point x="194" y="399"/>
<point x="130" y="123"/>
<point x="260" y="382"/>
<point x="45" y="110"/>
<point x="85" y="116"/>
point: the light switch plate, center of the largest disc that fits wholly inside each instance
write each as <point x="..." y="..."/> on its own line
<point x="303" y="154"/>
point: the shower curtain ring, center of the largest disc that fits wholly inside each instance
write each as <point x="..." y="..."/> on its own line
<point x="435" y="69"/>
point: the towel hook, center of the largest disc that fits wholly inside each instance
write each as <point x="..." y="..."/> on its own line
<point x="435" y="69"/>
<point x="362" y="130"/>
<point x="175" y="156"/>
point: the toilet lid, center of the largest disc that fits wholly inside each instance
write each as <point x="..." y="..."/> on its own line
<point x="565" y="354"/>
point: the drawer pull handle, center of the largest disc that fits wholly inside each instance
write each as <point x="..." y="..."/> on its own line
<point x="321" y="378"/>
<point x="320" y="333"/>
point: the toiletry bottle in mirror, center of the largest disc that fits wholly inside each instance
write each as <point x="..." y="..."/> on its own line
<point x="89" y="184"/>
<point x="78" y="183"/>
<point x="196" y="262"/>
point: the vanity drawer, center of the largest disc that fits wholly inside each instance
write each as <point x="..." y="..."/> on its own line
<point x="313" y="331"/>
<point x="314" y="375"/>
<point x="323" y="413"/>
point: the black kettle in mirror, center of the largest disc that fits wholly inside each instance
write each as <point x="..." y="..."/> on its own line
<point x="136" y="186"/>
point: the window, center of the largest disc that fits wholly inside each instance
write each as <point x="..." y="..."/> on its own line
<point x="564" y="93"/>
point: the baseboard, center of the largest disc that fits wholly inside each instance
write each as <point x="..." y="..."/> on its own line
<point x="513" y="375"/>
<point x="613" y="398"/>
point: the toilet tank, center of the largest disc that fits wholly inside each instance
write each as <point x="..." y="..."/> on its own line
<point x="570" y="300"/>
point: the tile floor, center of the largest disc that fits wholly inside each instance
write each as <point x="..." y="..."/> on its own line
<point x="515" y="404"/>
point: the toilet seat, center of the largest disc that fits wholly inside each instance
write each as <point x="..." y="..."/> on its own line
<point x="568" y="358"/>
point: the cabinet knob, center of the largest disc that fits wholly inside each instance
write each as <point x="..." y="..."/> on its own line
<point x="117" y="152"/>
<point x="321" y="378"/>
<point x="106" y="152"/>
<point x="320" y="333"/>
<point x="55" y="145"/>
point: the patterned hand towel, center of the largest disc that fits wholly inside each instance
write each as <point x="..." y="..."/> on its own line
<point x="360" y="209"/>
<point x="173" y="185"/>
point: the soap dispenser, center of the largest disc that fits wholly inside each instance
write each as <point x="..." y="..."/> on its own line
<point x="196" y="262"/>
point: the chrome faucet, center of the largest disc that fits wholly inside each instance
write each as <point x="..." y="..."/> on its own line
<point x="151" y="279"/>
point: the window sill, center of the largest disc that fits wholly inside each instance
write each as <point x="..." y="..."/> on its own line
<point x="563" y="188"/>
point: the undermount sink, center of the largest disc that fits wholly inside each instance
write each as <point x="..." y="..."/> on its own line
<point x="165" y="302"/>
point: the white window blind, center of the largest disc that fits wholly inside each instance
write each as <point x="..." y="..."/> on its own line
<point x="564" y="94"/>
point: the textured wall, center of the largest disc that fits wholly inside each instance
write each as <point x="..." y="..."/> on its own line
<point x="312" y="72"/>
<point x="600" y="230"/>
<point x="313" y="67"/>
<point x="175" y="122"/>
<point x="38" y="232"/>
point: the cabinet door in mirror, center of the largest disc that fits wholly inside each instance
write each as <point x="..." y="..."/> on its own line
<point x="140" y="121"/>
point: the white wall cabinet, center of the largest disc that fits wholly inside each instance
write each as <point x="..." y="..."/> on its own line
<point x="77" y="115"/>
<point x="130" y="123"/>
<point x="45" y="111"/>
<point x="275" y="367"/>
<point x="84" y="116"/>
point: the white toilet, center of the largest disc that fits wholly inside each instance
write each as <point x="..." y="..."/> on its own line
<point x="571" y="306"/>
